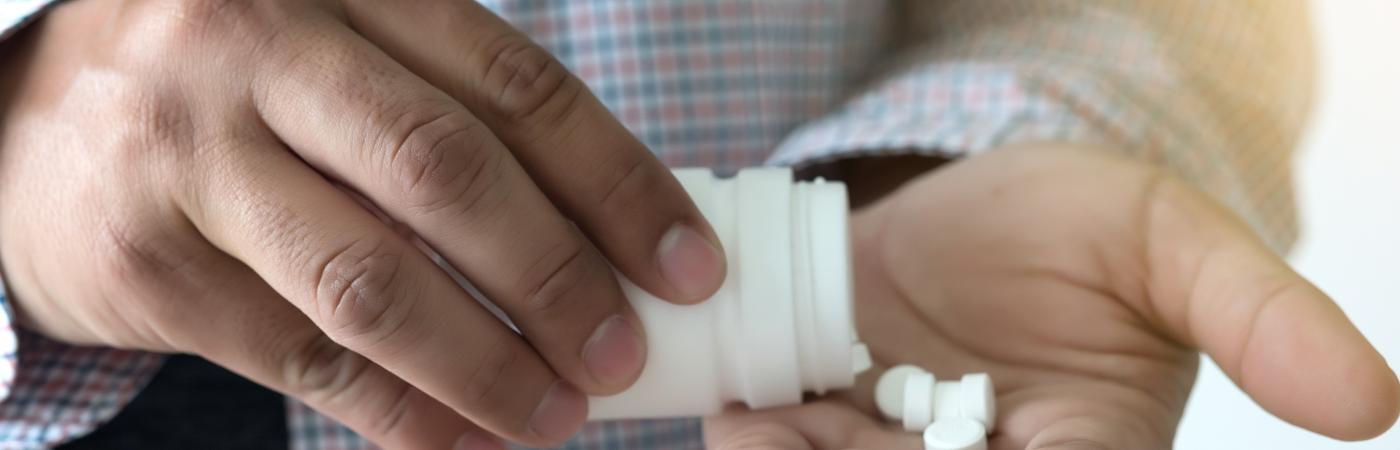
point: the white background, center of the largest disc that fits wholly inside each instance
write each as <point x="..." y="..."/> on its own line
<point x="1349" y="175"/>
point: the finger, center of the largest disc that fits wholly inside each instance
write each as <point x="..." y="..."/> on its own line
<point x="821" y="425"/>
<point x="1279" y="338"/>
<point x="584" y="159"/>
<point x="370" y="291"/>
<point x="429" y="163"/>
<point x="236" y="320"/>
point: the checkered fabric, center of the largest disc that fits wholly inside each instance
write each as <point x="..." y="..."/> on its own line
<point x="1214" y="91"/>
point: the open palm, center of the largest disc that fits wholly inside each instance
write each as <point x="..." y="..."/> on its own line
<point x="1085" y="286"/>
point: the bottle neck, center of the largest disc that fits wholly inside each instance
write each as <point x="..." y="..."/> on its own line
<point x="785" y="323"/>
<point x="830" y="354"/>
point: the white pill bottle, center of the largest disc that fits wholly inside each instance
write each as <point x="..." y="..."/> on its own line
<point x="782" y="323"/>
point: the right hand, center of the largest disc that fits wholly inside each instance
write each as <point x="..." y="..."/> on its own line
<point x="1086" y="286"/>
<point x="183" y="176"/>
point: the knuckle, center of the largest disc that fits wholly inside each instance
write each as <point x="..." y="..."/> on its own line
<point x="393" y="415"/>
<point x="319" y="370"/>
<point x="157" y="121"/>
<point x="359" y="293"/>
<point x="630" y="185"/>
<point x="180" y="23"/>
<point x="229" y="28"/>
<point x="132" y="258"/>
<point x="488" y="386"/>
<point x="153" y="277"/>
<point x="527" y="83"/>
<point x="444" y="164"/>
<point x="162" y="119"/>
<point x="554" y="278"/>
<point x="198" y="18"/>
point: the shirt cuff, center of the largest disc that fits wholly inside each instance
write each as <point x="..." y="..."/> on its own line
<point x="945" y="109"/>
<point x="9" y="344"/>
<point x="961" y="108"/>
<point x="54" y="392"/>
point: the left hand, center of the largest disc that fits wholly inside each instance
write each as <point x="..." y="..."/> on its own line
<point x="213" y="177"/>
<point x="1085" y="285"/>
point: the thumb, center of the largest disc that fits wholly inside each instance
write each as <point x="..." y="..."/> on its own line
<point x="1217" y="287"/>
<point x="764" y="436"/>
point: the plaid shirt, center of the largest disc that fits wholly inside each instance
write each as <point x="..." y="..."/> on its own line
<point x="1214" y="91"/>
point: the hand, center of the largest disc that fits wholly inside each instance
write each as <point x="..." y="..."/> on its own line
<point x="1085" y="286"/>
<point x="183" y="176"/>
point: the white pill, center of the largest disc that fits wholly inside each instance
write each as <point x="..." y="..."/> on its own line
<point x="955" y="434"/>
<point x="889" y="391"/>
<point x="918" y="409"/>
<point x="977" y="399"/>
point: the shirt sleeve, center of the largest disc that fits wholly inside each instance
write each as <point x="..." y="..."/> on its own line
<point x="52" y="392"/>
<point x="9" y="345"/>
<point x="14" y="14"/>
<point x="1217" y="92"/>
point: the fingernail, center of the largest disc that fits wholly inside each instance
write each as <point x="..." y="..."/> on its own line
<point x="688" y="261"/>
<point x="477" y="440"/>
<point x="613" y="354"/>
<point x="560" y="414"/>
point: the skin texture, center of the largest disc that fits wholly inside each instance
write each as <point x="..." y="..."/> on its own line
<point x="247" y="181"/>
<point x="215" y="177"/>
<point x="1085" y="285"/>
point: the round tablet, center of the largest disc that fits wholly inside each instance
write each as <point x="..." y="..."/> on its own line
<point x="889" y="391"/>
<point x="955" y="434"/>
<point x="977" y="399"/>
<point x="918" y="401"/>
